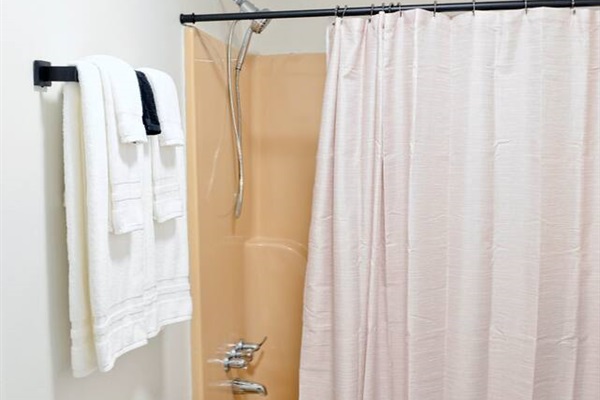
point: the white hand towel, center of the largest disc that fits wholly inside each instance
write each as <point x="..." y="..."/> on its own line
<point x="167" y="107"/>
<point x="122" y="288"/>
<point x="167" y="182"/>
<point x="122" y="81"/>
<point x="121" y="99"/>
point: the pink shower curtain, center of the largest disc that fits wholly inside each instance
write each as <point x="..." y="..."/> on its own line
<point x="454" y="246"/>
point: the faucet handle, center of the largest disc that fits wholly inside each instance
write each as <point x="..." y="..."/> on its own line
<point x="241" y="354"/>
<point x="246" y="355"/>
<point x="235" y="362"/>
<point x="249" y="348"/>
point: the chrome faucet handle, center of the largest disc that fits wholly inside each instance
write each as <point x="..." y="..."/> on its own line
<point x="241" y="354"/>
<point x="242" y="346"/>
<point x="235" y="362"/>
<point x="245" y="354"/>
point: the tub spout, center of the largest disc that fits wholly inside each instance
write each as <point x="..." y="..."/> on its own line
<point x="240" y="386"/>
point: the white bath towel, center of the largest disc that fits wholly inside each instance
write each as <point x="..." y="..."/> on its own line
<point x="122" y="288"/>
<point x="166" y="181"/>
<point x="124" y="126"/>
<point x="105" y="270"/>
<point x="173" y="301"/>
<point x="83" y="353"/>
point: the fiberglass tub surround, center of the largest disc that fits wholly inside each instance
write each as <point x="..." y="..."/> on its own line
<point x="249" y="272"/>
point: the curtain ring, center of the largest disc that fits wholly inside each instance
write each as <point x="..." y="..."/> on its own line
<point x="526" y="8"/>
<point x="573" y="6"/>
<point x="434" y="8"/>
<point x="372" y="11"/>
<point x="400" y="8"/>
<point x="344" y="11"/>
<point x="390" y="8"/>
<point x="474" y="1"/>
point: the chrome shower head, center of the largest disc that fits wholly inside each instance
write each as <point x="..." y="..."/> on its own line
<point x="258" y="25"/>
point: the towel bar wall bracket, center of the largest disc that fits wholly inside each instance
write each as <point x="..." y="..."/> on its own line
<point x="44" y="74"/>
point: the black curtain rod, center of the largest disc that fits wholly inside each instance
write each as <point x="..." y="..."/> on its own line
<point x="358" y="11"/>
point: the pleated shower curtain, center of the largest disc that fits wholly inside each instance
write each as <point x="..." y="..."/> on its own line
<point x="454" y="243"/>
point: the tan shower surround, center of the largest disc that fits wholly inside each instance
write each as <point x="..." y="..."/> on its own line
<point x="248" y="275"/>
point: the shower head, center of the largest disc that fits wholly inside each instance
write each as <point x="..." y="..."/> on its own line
<point x="258" y="25"/>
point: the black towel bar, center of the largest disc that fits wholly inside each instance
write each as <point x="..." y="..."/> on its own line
<point x="44" y="74"/>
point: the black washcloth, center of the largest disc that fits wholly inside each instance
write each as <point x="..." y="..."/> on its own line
<point x="150" y="116"/>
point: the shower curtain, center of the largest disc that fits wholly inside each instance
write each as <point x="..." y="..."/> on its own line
<point x="454" y="243"/>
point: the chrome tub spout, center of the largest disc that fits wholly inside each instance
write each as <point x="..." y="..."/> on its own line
<point x="240" y="386"/>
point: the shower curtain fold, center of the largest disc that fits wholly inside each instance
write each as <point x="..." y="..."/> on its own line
<point x="453" y="250"/>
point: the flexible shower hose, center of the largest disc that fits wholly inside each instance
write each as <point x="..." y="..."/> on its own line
<point x="235" y="110"/>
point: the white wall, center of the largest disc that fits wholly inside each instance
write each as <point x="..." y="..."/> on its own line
<point x="34" y="303"/>
<point x="307" y="35"/>
<point x="303" y="35"/>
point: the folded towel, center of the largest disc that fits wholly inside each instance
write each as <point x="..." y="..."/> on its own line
<point x="167" y="156"/>
<point x="170" y="253"/>
<point x="122" y="288"/>
<point x="105" y="270"/>
<point x="167" y="105"/>
<point x="150" y="116"/>
<point x="83" y="354"/>
<point x="167" y="182"/>
<point x="124" y="157"/>
<point x="127" y="100"/>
